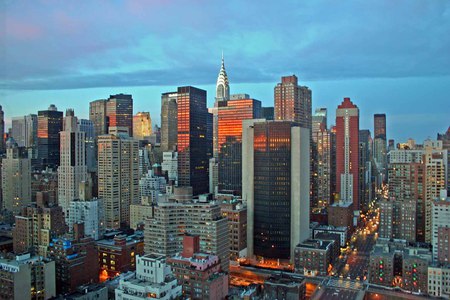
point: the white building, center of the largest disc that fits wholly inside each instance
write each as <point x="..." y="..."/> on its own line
<point x="153" y="280"/>
<point x="16" y="178"/>
<point x="90" y="212"/>
<point x="151" y="186"/>
<point x="441" y="218"/>
<point x="439" y="281"/>
<point x="72" y="169"/>
<point x="170" y="165"/>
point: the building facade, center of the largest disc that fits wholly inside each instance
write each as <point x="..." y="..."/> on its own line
<point x="142" y="126"/>
<point x="118" y="178"/>
<point x="347" y="152"/>
<point x="275" y="172"/>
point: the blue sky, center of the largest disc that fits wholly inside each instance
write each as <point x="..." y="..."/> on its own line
<point x="388" y="56"/>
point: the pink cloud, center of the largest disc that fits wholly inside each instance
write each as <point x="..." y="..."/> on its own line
<point x="22" y="30"/>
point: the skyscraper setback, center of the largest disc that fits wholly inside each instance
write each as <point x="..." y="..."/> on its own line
<point x="142" y="125"/>
<point x="192" y="143"/>
<point x="347" y="153"/>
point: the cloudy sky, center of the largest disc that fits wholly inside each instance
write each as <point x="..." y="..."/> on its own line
<point x="388" y="56"/>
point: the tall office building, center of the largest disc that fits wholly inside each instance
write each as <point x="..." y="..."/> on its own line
<point x="321" y="159"/>
<point x="347" y="153"/>
<point x="16" y="178"/>
<point x="24" y="130"/>
<point x="49" y="125"/>
<point x="119" y="110"/>
<point x="440" y="214"/>
<point x="365" y="169"/>
<point x="72" y="169"/>
<point x="293" y="102"/>
<point x="380" y="147"/>
<point x="2" y="131"/>
<point x="231" y="113"/>
<point x="169" y="121"/>
<point x="268" y="113"/>
<point x="97" y="114"/>
<point x="142" y="126"/>
<point x="275" y="186"/>
<point x="222" y="94"/>
<point x="87" y="126"/>
<point x="192" y="143"/>
<point x="118" y="177"/>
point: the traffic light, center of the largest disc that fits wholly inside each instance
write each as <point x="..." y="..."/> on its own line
<point x="380" y="270"/>
<point x="414" y="273"/>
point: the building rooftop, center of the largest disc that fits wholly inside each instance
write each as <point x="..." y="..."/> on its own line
<point x="315" y="244"/>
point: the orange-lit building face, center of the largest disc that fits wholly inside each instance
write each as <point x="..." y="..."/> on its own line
<point x="230" y="116"/>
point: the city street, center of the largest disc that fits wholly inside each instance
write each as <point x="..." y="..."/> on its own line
<point x="354" y="262"/>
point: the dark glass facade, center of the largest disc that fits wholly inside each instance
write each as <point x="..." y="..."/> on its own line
<point x="50" y="123"/>
<point x="230" y="116"/>
<point x="379" y="126"/>
<point x="272" y="189"/>
<point x="192" y="139"/>
<point x="169" y="121"/>
<point x="119" y="110"/>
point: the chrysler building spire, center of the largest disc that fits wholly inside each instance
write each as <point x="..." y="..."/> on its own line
<point x="222" y="87"/>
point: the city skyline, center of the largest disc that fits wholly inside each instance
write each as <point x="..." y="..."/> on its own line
<point x="84" y="55"/>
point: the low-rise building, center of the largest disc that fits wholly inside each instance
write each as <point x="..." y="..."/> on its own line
<point x="75" y="261"/>
<point x="284" y="287"/>
<point x="313" y="257"/>
<point x="342" y="232"/>
<point x="27" y="277"/>
<point x="153" y="280"/>
<point x="199" y="273"/>
<point x="439" y="281"/>
<point x="118" y="255"/>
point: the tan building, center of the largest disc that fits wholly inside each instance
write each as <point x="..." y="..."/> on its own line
<point x="142" y="126"/>
<point x="35" y="228"/>
<point x="27" y="277"/>
<point x="164" y="233"/>
<point x="237" y="224"/>
<point x="118" y="178"/>
<point x="16" y="178"/>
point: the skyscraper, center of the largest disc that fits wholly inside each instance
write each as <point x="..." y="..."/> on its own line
<point x="49" y="125"/>
<point x="119" y="110"/>
<point x="230" y="114"/>
<point x="192" y="143"/>
<point x="16" y="178"/>
<point x="87" y="126"/>
<point x="293" y="102"/>
<point x="72" y="169"/>
<point x="380" y="146"/>
<point x="275" y="172"/>
<point x="169" y="121"/>
<point x="118" y="177"/>
<point x="222" y="94"/>
<point x="2" y="131"/>
<point x="365" y="169"/>
<point x="347" y="153"/>
<point x="321" y="153"/>
<point x="142" y="125"/>
<point x="24" y="130"/>
<point x="97" y="114"/>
